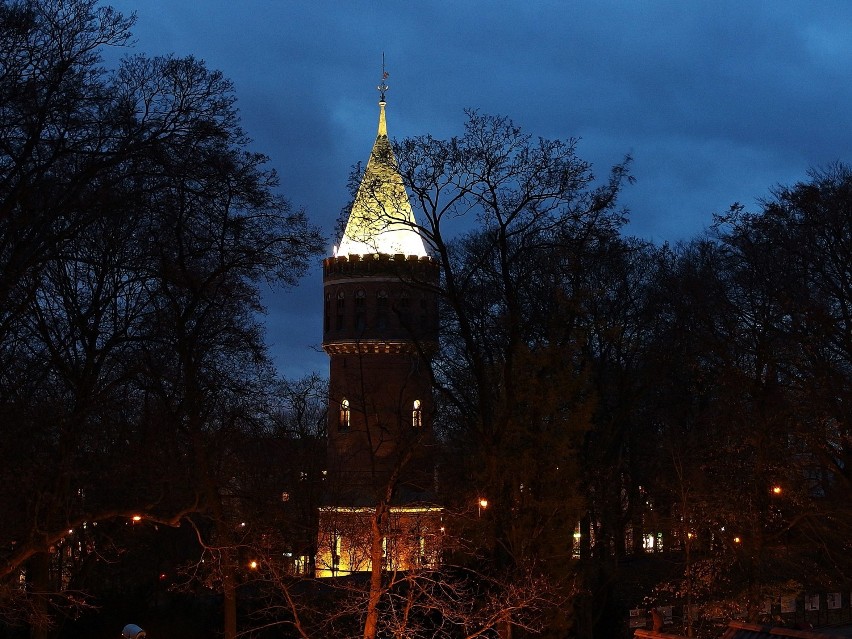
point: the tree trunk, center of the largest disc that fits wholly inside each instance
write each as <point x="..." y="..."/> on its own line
<point x="38" y="572"/>
<point x="229" y="595"/>
<point x="371" y="623"/>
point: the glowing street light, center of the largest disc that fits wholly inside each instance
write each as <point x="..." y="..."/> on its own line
<point x="481" y="505"/>
<point x="253" y="565"/>
<point x="137" y="518"/>
<point x="776" y="490"/>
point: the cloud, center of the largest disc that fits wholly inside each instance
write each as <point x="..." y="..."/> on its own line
<point x="717" y="101"/>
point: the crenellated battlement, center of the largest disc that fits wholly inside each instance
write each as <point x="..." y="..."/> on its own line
<point x="410" y="266"/>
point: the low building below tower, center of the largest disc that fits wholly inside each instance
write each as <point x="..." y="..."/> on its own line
<point x="413" y="539"/>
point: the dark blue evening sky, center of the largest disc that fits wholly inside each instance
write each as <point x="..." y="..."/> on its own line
<point x="716" y="101"/>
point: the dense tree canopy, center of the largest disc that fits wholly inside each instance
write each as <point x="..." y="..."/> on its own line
<point x="610" y="399"/>
<point x="136" y="226"/>
<point x="747" y="421"/>
<point x="518" y="295"/>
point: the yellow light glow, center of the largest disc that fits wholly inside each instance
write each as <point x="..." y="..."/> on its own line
<point x="690" y="535"/>
<point x="737" y="540"/>
<point x="483" y="503"/>
<point x="253" y="565"/>
<point x="372" y="509"/>
<point x="776" y="490"/>
<point x="381" y="219"/>
<point x="344" y="541"/>
<point x="137" y="518"/>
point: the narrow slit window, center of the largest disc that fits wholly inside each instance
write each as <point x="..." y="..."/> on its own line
<point x="327" y="325"/>
<point x="404" y="310"/>
<point x="360" y="305"/>
<point x="360" y="299"/>
<point x="382" y="309"/>
<point x="341" y="309"/>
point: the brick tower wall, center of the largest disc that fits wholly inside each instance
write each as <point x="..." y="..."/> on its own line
<point x="380" y="331"/>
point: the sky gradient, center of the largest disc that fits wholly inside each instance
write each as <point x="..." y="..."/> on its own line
<point x="716" y="101"/>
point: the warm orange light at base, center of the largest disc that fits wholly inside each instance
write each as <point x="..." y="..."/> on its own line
<point x="137" y="518"/>
<point x="413" y="539"/>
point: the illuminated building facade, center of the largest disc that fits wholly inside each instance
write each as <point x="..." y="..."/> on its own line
<point x="380" y="331"/>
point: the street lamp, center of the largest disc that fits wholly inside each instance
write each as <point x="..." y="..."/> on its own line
<point x="481" y="505"/>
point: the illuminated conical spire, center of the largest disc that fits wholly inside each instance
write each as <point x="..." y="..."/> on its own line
<point x="381" y="220"/>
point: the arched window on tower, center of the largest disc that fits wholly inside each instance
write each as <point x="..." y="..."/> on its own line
<point x="360" y="305"/>
<point x="382" y="309"/>
<point x="424" y="313"/>
<point x="341" y="308"/>
<point x="327" y="309"/>
<point x="404" y="310"/>
<point x="416" y="415"/>
<point x="345" y="415"/>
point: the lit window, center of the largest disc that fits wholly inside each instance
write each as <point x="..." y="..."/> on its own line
<point x="575" y="544"/>
<point x="343" y="424"/>
<point x="652" y="542"/>
<point x="416" y="415"/>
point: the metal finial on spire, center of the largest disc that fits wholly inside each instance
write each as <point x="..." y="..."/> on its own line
<point x="383" y="85"/>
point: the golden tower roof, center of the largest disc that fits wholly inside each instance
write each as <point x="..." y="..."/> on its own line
<point x="381" y="220"/>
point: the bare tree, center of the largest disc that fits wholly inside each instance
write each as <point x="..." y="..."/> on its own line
<point x="510" y="220"/>
<point x="136" y="227"/>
